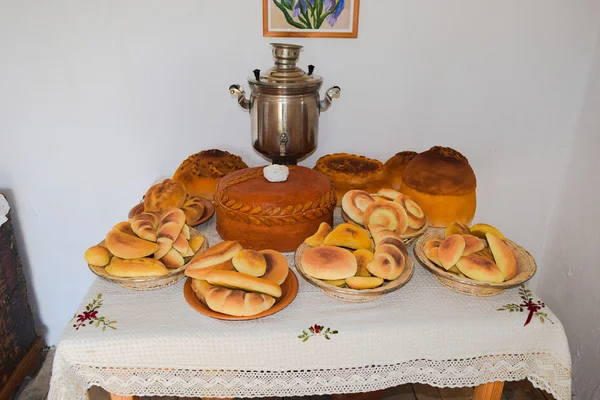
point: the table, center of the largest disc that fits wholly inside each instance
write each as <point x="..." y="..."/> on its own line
<point x="153" y="344"/>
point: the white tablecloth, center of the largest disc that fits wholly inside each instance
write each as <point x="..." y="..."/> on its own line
<point x="422" y="333"/>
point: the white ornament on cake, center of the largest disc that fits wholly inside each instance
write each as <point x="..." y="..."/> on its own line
<point x="4" y="208"/>
<point x="276" y="173"/>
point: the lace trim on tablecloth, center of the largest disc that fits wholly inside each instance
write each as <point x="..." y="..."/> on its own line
<point x="545" y="372"/>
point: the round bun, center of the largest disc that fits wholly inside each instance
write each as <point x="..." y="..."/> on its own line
<point x="250" y="262"/>
<point x="329" y="263"/>
<point x="167" y="194"/>
<point x="354" y="203"/>
<point x="394" y="167"/>
<point x="414" y="212"/>
<point x="388" y="214"/>
<point x="200" y="173"/>
<point x="443" y="183"/>
<point x="98" y="256"/>
<point x="388" y="263"/>
<point x="277" y="266"/>
<point x="351" y="171"/>
<point x="238" y="280"/>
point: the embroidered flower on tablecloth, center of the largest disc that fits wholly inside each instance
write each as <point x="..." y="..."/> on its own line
<point x="317" y="330"/>
<point x="528" y="304"/>
<point x="90" y="316"/>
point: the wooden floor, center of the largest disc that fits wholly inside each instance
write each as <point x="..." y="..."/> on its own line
<point x="522" y="390"/>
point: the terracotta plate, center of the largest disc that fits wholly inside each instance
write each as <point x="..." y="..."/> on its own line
<point x="209" y="210"/>
<point x="289" y="289"/>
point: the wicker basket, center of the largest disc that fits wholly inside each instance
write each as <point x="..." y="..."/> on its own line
<point x="354" y="295"/>
<point x="149" y="283"/>
<point x="526" y="270"/>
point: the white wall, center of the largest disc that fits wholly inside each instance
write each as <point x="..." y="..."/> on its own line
<point x="99" y="99"/>
<point x="569" y="284"/>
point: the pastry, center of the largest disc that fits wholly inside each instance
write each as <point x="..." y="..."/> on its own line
<point x="363" y="257"/>
<point x="504" y="256"/>
<point x="480" y="269"/>
<point x="388" y="214"/>
<point x="472" y="245"/>
<point x="238" y="280"/>
<point x="216" y="254"/>
<point x="329" y="263"/>
<point x="202" y="273"/>
<point x="145" y="224"/>
<point x="388" y="194"/>
<point x="196" y="242"/>
<point x="319" y="236"/>
<point x="354" y="203"/>
<point x="97" y="256"/>
<point x="416" y="218"/>
<point x="250" y="262"/>
<point x="193" y="208"/>
<point x="171" y="224"/>
<point x="136" y="268"/>
<point x="277" y="266"/>
<point x="350" y="171"/>
<point x="172" y="259"/>
<point x="200" y="288"/>
<point x="450" y="250"/>
<point x="235" y="302"/>
<point x="261" y="214"/>
<point x="443" y="183"/>
<point x="394" y="167"/>
<point x="337" y="282"/>
<point x="348" y="235"/>
<point x="163" y="195"/>
<point x="123" y="243"/>
<point x="480" y="230"/>
<point x="456" y="227"/>
<point x="388" y="263"/>
<point x="431" y="249"/>
<point x="200" y="173"/>
<point x="363" y="282"/>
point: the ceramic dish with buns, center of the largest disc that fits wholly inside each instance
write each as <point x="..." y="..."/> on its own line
<point x="477" y="261"/>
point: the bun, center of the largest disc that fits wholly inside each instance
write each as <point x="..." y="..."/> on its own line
<point x="480" y="269"/>
<point x="123" y="243"/>
<point x="172" y="259"/>
<point x="250" y="262"/>
<point x="236" y="302"/>
<point x="166" y="194"/>
<point x="394" y="167"/>
<point x="363" y="282"/>
<point x="472" y="245"/>
<point x="171" y="224"/>
<point x="443" y="183"/>
<point x="136" y="268"/>
<point x="193" y="208"/>
<point x="202" y="273"/>
<point x="200" y="288"/>
<point x="415" y="216"/>
<point x="456" y="227"/>
<point x="388" y="214"/>
<point x="388" y="263"/>
<point x="195" y="242"/>
<point x="329" y="263"/>
<point x="145" y="225"/>
<point x="388" y="194"/>
<point x="319" y="236"/>
<point x="348" y="235"/>
<point x="277" y="266"/>
<point x="363" y="257"/>
<point x="351" y="171"/>
<point x="504" y="256"/>
<point x="354" y="203"/>
<point x="97" y="256"/>
<point x="451" y="250"/>
<point x="238" y="280"/>
<point x="200" y="173"/>
<point x="216" y="254"/>
<point x="431" y="249"/>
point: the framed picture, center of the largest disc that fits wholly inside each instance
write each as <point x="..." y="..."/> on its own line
<point x="311" y="18"/>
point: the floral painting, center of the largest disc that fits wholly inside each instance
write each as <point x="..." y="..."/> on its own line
<point x="310" y="18"/>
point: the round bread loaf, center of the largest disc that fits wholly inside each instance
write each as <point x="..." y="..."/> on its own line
<point x="98" y="256"/>
<point x="329" y="263"/>
<point x="250" y="262"/>
<point x="166" y="194"/>
<point x="277" y="266"/>
<point x="238" y="280"/>
<point x="200" y="173"/>
<point x="443" y="183"/>
<point x="351" y="171"/>
<point x="394" y="167"/>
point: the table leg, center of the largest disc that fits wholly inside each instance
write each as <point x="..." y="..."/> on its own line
<point x="488" y="391"/>
<point x="117" y="397"/>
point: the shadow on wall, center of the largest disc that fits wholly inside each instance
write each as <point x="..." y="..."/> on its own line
<point x="23" y="255"/>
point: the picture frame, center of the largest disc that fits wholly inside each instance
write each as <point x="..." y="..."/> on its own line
<point x="311" y="18"/>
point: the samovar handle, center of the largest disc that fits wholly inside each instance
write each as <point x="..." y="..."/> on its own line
<point x="237" y="90"/>
<point x="331" y="93"/>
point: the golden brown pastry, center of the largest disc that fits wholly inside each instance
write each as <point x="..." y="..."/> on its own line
<point x="319" y="236"/>
<point x="234" y="302"/>
<point x="443" y="183"/>
<point x="363" y="282"/>
<point x="388" y="263"/>
<point x="348" y="235"/>
<point x="200" y="173"/>
<point x="145" y="224"/>
<point x="216" y="254"/>
<point x="238" y="280"/>
<point x="388" y="214"/>
<point x="363" y="257"/>
<point x="97" y="256"/>
<point x="163" y="195"/>
<point x="354" y="203"/>
<point x="388" y="194"/>
<point x="250" y="262"/>
<point x="202" y="273"/>
<point x="172" y="259"/>
<point x="450" y="250"/>
<point x="415" y="216"/>
<point x="193" y="208"/>
<point x="337" y="282"/>
<point x="196" y="242"/>
<point x="394" y="167"/>
<point x="136" y="268"/>
<point x="181" y="245"/>
<point x="123" y="243"/>
<point x="329" y="263"/>
<point x="200" y="288"/>
<point x="431" y="249"/>
<point x="277" y="266"/>
<point x="351" y="171"/>
<point x="456" y="227"/>
<point x="504" y="256"/>
<point x="171" y="224"/>
<point x="480" y="269"/>
<point x="472" y="245"/>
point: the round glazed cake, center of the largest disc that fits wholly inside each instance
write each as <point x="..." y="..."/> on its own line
<point x="350" y="171"/>
<point x="278" y="215"/>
